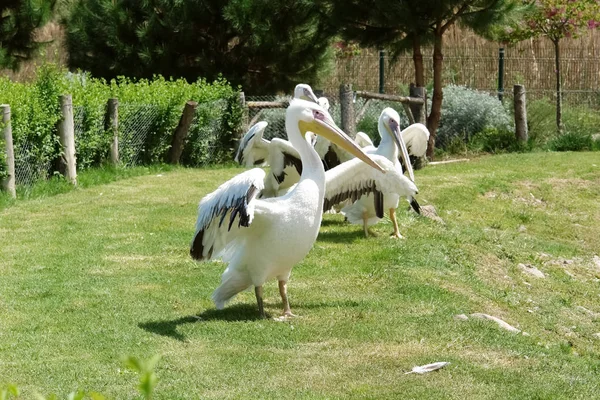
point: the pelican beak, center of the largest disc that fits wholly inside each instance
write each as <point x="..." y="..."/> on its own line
<point x="397" y="135"/>
<point x="308" y="95"/>
<point x="322" y="125"/>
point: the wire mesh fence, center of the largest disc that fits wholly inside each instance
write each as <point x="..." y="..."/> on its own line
<point x="203" y="140"/>
<point x="136" y="123"/>
<point x="29" y="168"/>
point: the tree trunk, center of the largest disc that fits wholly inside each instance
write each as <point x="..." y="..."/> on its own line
<point x="436" y="102"/>
<point x="559" y="125"/>
<point x="418" y="62"/>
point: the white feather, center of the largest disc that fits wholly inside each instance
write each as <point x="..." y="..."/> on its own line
<point x="423" y="369"/>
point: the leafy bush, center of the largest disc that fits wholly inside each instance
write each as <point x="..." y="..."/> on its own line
<point x="152" y="105"/>
<point x="492" y="140"/>
<point x="571" y="141"/>
<point x="466" y="112"/>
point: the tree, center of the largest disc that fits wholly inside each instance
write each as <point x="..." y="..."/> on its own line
<point x="18" y="21"/>
<point x="402" y="24"/>
<point x="263" y="45"/>
<point x="556" y="20"/>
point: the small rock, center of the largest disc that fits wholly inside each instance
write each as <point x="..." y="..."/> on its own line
<point x="596" y="260"/>
<point x="429" y="211"/>
<point x="590" y="313"/>
<point x="522" y="228"/>
<point x="596" y="335"/>
<point x="531" y="270"/>
<point x="570" y="274"/>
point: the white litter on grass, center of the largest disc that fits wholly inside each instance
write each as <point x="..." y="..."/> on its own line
<point x="423" y="369"/>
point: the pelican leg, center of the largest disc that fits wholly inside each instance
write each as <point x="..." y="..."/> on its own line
<point x="287" y="311"/>
<point x="365" y="227"/>
<point x="258" y="291"/>
<point x="396" y="234"/>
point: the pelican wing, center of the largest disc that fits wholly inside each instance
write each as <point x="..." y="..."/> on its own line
<point x="281" y="155"/>
<point x="416" y="137"/>
<point x="218" y="211"/>
<point x="253" y="149"/>
<point x="363" y="140"/>
<point x="354" y="178"/>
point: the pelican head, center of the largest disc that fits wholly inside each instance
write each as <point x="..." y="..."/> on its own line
<point x="390" y="120"/>
<point x="305" y="92"/>
<point x="313" y="118"/>
<point x="323" y="102"/>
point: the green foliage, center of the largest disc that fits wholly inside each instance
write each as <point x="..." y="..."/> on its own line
<point x="493" y="140"/>
<point x="145" y="368"/>
<point x="8" y="391"/>
<point x="466" y="112"/>
<point x="190" y="39"/>
<point x="19" y="19"/>
<point x="577" y="118"/>
<point x="147" y="383"/>
<point x="571" y="141"/>
<point x="157" y="104"/>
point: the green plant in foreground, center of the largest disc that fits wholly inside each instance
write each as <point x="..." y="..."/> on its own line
<point x="571" y="141"/>
<point x="7" y="391"/>
<point x="145" y="369"/>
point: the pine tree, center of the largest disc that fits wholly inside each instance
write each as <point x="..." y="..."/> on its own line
<point x="263" y="45"/>
<point x="18" y="21"/>
<point x="402" y="24"/>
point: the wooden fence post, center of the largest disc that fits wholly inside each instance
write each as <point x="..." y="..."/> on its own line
<point x="520" y="105"/>
<point x="347" y="109"/>
<point x="66" y="132"/>
<point x="419" y="111"/>
<point x="8" y="183"/>
<point x="112" y="124"/>
<point x="181" y="132"/>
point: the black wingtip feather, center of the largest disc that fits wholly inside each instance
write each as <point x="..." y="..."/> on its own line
<point x="415" y="206"/>
<point x="197" y="248"/>
<point x="378" y="199"/>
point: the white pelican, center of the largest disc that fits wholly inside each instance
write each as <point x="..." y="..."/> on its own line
<point x="369" y="208"/>
<point x="270" y="235"/>
<point x="253" y="149"/>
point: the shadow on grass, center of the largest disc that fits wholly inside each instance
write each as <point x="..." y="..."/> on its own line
<point x="237" y="312"/>
<point x="341" y="237"/>
<point x="339" y="221"/>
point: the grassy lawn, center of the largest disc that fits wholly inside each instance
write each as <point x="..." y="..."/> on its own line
<point x="93" y="275"/>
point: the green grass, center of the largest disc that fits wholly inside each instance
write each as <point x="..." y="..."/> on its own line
<point x="90" y="276"/>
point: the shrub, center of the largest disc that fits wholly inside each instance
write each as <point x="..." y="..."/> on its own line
<point x="571" y="141"/>
<point x="466" y="112"/>
<point x="493" y="140"/>
<point x="152" y="106"/>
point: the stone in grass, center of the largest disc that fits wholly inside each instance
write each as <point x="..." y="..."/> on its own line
<point x="531" y="270"/>
<point x="429" y="211"/>
<point x="502" y="324"/>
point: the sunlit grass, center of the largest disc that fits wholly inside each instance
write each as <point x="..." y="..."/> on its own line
<point x="92" y="275"/>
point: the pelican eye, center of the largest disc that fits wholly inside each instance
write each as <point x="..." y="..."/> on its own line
<point x="319" y="115"/>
